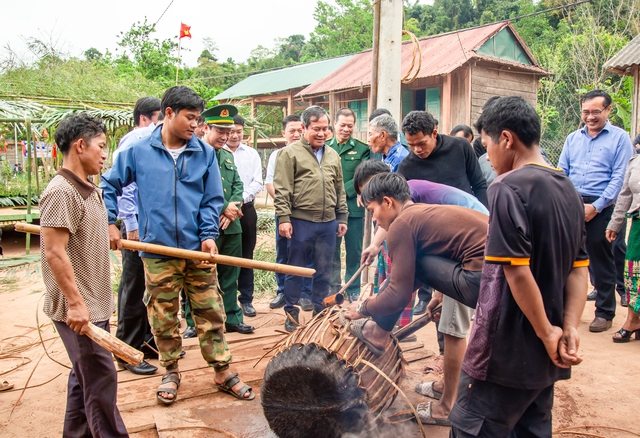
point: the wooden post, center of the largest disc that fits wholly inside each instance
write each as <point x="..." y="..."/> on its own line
<point x="445" y="106"/>
<point x="332" y="106"/>
<point x="290" y="103"/>
<point x="254" y="115"/>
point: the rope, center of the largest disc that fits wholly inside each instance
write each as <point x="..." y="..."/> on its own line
<point x="40" y="335"/>
<point x="577" y="430"/>
<point x="215" y="429"/>
<point x="381" y="373"/>
<point x="417" y="54"/>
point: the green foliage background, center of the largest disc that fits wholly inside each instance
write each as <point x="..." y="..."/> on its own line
<point x="572" y="43"/>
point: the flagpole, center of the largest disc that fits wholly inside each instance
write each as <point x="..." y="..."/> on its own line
<point x="178" y="66"/>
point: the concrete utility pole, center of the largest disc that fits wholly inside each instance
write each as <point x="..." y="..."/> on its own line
<point x="387" y="53"/>
<point x="386" y="74"/>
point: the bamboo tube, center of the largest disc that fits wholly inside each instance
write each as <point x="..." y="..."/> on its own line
<point x="114" y="345"/>
<point x="196" y="255"/>
<point x="416" y="324"/>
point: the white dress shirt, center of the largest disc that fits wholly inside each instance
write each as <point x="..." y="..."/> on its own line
<point x="249" y="167"/>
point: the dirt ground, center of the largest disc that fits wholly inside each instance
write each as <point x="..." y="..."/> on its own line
<point x="603" y="392"/>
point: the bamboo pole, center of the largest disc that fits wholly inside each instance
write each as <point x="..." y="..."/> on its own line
<point x="196" y="255"/>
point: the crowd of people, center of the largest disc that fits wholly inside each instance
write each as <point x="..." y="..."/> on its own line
<point x="485" y="227"/>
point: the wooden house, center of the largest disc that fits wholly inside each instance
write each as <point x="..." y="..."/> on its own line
<point x="459" y="71"/>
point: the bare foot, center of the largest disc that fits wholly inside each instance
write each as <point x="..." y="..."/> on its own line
<point x="439" y="411"/>
<point x="220" y="377"/>
<point x="374" y="334"/>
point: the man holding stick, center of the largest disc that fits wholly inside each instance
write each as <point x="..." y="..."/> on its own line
<point x="180" y="201"/>
<point x="76" y="273"/>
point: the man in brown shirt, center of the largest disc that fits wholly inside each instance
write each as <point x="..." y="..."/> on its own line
<point x="439" y="245"/>
<point x="76" y="272"/>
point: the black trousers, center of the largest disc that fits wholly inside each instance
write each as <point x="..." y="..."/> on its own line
<point x="133" y="323"/>
<point x="619" y="247"/>
<point x="424" y="294"/>
<point x="444" y="275"/>
<point x="92" y="389"/>
<point x="602" y="261"/>
<point x="488" y="410"/>
<point x="249" y="223"/>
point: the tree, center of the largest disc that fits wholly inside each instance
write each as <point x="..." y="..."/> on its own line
<point x="92" y="54"/>
<point x="346" y="27"/>
<point x="153" y="58"/>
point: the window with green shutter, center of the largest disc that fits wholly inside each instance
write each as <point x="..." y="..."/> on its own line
<point x="361" y="110"/>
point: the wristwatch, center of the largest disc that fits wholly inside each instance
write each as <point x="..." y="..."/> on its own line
<point x="359" y="308"/>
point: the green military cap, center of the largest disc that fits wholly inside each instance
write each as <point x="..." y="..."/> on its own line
<point x="220" y="116"/>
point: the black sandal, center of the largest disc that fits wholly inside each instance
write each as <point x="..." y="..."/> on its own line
<point x="232" y="380"/>
<point x="625" y="335"/>
<point x="172" y="376"/>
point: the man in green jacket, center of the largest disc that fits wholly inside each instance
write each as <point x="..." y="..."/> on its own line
<point x="311" y="207"/>
<point x="219" y="121"/>
<point x="352" y="152"/>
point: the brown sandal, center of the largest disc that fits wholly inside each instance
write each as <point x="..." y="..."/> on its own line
<point x="172" y="376"/>
<point x="231" y="381"/>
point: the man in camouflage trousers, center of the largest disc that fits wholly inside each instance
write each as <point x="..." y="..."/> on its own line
<point x="180" y="198"/>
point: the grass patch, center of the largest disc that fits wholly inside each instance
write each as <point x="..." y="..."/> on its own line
<point x="265" y="281"/>
<point x="8" y="284"/>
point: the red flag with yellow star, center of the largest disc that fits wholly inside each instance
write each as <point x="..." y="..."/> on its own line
<point x="185" y="31"/>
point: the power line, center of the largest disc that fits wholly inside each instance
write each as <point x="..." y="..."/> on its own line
<point x="170" y="3"/>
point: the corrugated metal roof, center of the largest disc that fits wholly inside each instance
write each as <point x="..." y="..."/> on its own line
<point x="625" y="58"/>
<point x="285" y="79"/>
<point x="441" y="54"/>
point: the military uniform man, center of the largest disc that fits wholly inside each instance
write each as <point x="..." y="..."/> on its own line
<point x="352" y="152"/>
<point x="219" y="121"/>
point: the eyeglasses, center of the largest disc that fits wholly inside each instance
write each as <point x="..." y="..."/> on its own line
<point x="592" y="113"/>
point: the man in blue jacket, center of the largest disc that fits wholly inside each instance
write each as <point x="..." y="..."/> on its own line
<point x="180" y="198"/>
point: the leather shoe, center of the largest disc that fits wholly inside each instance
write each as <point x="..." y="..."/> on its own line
<point x="421" y="308"/>
<point x="599" y="325"/>
<point x="277" y="302"/>
<point x="592" y="296"/>
<point x="248" y="309"/>
<point x="241" y="328"/>
<point x="144" y="369"/>
<point x="190" y="332"/>
<point x="290" y="325"/>
<point x="623" y="300"/>
<point x="305" y="304"/>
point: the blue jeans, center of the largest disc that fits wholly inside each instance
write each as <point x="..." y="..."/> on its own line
<point x="315" y="241"/>
<point x="281" y="257"/>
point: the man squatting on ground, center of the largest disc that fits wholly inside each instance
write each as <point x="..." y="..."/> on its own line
<point x="179" y="204"/>
<point x="455" y="318"/>
<point x="534" y="285"/>
<point x="133" y="324"/>
<point x="450" y="260"/>
<point x="292" y="132"/>
<point x="311" y="207"/>
<point x="76" y="273"/>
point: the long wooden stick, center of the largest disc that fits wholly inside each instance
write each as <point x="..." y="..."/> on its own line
<point x="416" y="324"/>
<point x="114" y="345"/>
<point x="196" y="255"/>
